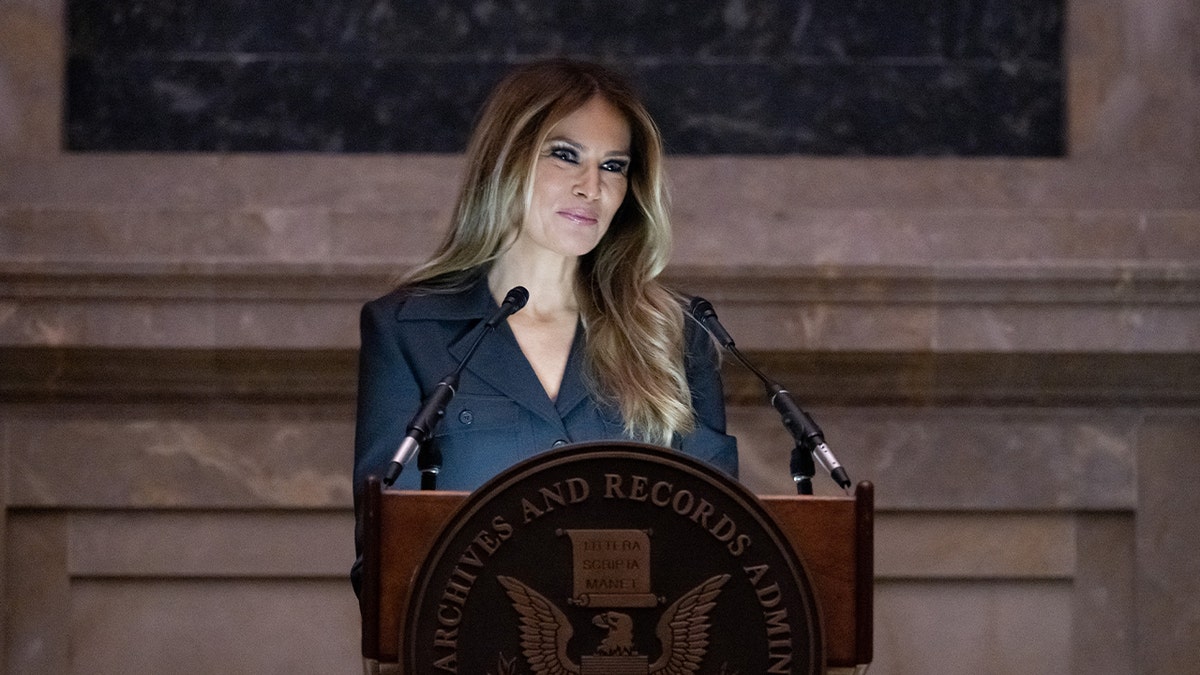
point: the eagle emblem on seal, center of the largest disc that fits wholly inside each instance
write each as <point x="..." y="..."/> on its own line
<point x="683" y="632"/>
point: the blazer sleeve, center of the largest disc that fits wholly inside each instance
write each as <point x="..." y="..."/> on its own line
<point x="388" y="393"/>
<point x="708" y="441"/>
<point x="387" y="390"/>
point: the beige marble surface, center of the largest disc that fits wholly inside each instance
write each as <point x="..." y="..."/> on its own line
<point x="152" y="522"/>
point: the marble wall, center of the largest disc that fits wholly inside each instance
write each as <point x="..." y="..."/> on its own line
<point x="1006" y="347"/>
<point x="815" y="77"/>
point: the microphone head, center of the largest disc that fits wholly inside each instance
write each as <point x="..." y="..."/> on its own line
<point x="513" y="302"/>
<point x="701" y="309"/>
<point x="517" y="297"/>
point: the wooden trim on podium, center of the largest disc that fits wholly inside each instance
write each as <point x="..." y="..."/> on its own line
<point x="369" y="600"/>
<point x="834" y="537"/>
<point x="420" y="516"/>
<point x="864" y="583"/>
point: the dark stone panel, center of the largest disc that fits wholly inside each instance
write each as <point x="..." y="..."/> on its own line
<point x="896" y="110"/>
<point x="607" y="29"/>
<point x="964" y="77"/>
<point x="366" y="106"/>
<point x="954" y="29"/>
<point x="120" y="375"/>
<point x="273" y="105"/>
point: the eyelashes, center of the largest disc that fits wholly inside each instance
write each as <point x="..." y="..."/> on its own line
<point x="569" y="154"/>
<point x="565" y="153"/>
<point x="620" y="166"/>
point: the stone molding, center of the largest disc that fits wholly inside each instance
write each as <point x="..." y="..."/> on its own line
<point x="98" y="375"/>
<point x="1096" y="307"/>
<point x="1101" y="283"/>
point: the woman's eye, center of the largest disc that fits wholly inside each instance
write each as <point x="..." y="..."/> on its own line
<point x="616" y="166"/>
<point x="565" y="154"/>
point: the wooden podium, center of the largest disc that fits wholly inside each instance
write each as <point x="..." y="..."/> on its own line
<point x="833" y="536"/>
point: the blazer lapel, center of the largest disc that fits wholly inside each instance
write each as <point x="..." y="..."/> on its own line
<point x="573" y="389"/>
<point x="499" y="361"/>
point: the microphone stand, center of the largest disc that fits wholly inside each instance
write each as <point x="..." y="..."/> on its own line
<point x="433" y="409"/>
<point x="802" y="469"/>
<point x="810" y="440"/>
<point x="422" y="426"/>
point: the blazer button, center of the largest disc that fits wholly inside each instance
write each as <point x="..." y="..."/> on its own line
<point x="466" y="417"/>
<point x="559" y="443"/>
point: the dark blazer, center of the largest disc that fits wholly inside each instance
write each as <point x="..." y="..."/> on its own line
<point x="500" y="413"/>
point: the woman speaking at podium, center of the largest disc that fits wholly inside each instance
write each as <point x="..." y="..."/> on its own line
<point x="564" y="195"/>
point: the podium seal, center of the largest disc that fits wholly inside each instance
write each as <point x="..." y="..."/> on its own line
<point x="614" y="558"/>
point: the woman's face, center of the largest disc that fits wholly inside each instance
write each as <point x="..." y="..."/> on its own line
<point x="579" y="180"/>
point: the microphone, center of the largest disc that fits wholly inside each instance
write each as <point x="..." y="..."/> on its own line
<point x="707" y="316"/>
<point x="804" y="430"/>
<point x="434" y="408"/>
<point x="513" y="302"/>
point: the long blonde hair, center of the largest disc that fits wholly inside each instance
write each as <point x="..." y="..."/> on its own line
<point x="633" y="324"/>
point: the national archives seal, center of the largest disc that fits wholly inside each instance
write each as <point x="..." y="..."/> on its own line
<point x="612" y="558"/>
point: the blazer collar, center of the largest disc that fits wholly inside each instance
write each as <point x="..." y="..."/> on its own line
<point x="475" y="302"/>
<point x="499" y="360"/>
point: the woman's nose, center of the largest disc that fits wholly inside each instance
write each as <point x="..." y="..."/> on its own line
<point x="588" y="183"/>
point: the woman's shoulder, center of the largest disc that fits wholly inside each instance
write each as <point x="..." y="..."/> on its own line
<point x="391" y="302"/>
<point x="425" y="300"/>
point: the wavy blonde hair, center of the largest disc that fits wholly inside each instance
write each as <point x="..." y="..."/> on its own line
<point x="633" y="324"/>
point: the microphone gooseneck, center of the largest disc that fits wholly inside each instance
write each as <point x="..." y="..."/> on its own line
<point x="434" y="408"/>
<point x="810" y="440"/>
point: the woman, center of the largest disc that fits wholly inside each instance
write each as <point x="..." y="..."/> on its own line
<point x="564" y="195"/>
